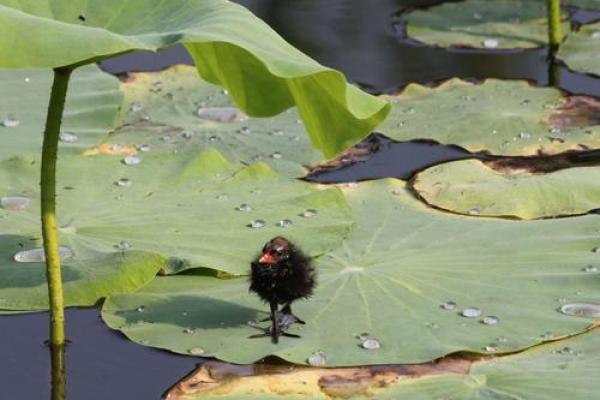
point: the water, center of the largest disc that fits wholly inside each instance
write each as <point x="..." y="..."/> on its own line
<point x="371" y="344"/>
<point x="39" y="255"/>
<point x="471" y="312"/>
<point x="285" y="223"/>
<point x="123" y="182"/>
<point x="449" y="305"/>
<point x="11" y="123"/>
<point x="317" y="359"/>
<point x="132" y="160"/>
<point x="67" y="137"/>
<point x="14" y="203"/>
<point x="257" y="224"/>
<point x="490" y="320"/>
<point x="585" y="310"/>
<point x="244" y="207"/>
<point x="221" y="114"/>
<point x="309" y="213"/>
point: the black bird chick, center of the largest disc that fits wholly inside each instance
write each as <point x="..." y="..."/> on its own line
<point x="281" y="275"/>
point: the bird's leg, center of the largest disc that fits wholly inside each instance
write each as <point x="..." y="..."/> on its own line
<point x="287" y="309"/>
<point x="274" y="325"/>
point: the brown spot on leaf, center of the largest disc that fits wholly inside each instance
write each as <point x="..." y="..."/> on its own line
<point x="576" y="112"/>
<point x="218" y="378"/>
<point x="542" y="164"/>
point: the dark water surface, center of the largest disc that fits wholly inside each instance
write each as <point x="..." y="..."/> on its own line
<point x="365" y="40"/>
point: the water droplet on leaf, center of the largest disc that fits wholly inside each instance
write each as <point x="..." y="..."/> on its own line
<point x="317" y="359"/>
<point x="10" y="123"/>
<point x="244" y="207"/>
<point x="221" y="114"/>
<point x="196" y="351"/>
<point x="67" y="137"/>
<point x="276" y="155"/>
<point x="491" y="348"/>
<point x="285" y="223"/>
<point x="309" y="213"/>
<point x="371" y="344"/>
<point x="471" y="312"/>
<point x="136" y="107"/>
<point x="14" y="203"/>
<point x="123" y="246"/>
<point x="38" y="255"/>
<point x="490" y="320"/>
<point x="123" y="182"/>
<point x="490" y="43"/>
<point x="132" y="160"/>
<point x="144" y="148"/>
<point x="474" y="211"/>
<point x="257" y="224"/>
<point x="141" y="309"/>
<point x="449" y="305"/>
<point x="585" y="310"/>
<point x="590" y="268"/>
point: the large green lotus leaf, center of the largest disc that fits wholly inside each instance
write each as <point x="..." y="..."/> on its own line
<point x="495" y="24"/>
<point x="471" y="187"/>
<point x="561" y="370"/>
<point x="500" y="117"/>
<point x="581" y="50"/>
<point x="161" y="109"/>
<point x="93" y="101"/>
<point x="388" y="280"/>
<point x="181" y="205"/>
<point x="87" y="278"/>
<point x="230" y="47"/>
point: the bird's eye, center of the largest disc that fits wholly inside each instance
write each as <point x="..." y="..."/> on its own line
<point x="278" y="250"/>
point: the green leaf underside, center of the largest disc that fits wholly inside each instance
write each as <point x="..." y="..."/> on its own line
<point x="470" y="187"/>
<point x="177" y="205"/>
<point x="509" y="23"/>
<point x="389" y="279"/>
<point x="171" y="100"/>
<point x="561" y="370"/>
<point x="91" y="109"/>
<point x="230" y="47"/>
<point x="500" y="117"/>
<point x="581" y="50"/>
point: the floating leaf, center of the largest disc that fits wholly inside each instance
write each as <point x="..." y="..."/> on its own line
<point x="173" y="109"/>
<point x="501" y="117"/>
<point x="493" y="24"/>
<point x="182" y="205"/>
<point x="388" y="281"/>
<point x="230" y="46"/>
<point x="462" y="186"/>
<point x="570" y="366"/>
<point x="91" y="109"/>
<point x="587" y="4"/>
<point x="581" y="49"/>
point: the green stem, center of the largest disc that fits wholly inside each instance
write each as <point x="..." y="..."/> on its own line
<point x="48" y="190"/>
<point x="554" y="32"/>
<point x="59" y="377"/>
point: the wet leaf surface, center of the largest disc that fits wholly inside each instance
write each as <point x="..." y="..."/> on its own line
<point x="559" y="370"/>
<point x="173" y="109"/>
<point x="487" y="24"/>
<point x="581" y="50"/>
<point x="471" y="187"/>
<point x="499" y="117"/>
<point x="91" y="109"/>
<point x="405" y="277"/>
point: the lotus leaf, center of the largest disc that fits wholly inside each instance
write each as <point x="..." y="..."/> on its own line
<point x="229" y="45"/>
<point x="588" y="4"/>
<point x="471" y="187"/>
<point x="492" y="24"/>
<point x="581" y="50"/>
<point x="91" y="109"/>
<point x="406" y="276"/>
<point x="185" y="205"/>
<point x="162" y="109"/>
<point x="500" y="117"/>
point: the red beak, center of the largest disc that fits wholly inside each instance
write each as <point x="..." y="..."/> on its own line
<point x="266" y="258"/>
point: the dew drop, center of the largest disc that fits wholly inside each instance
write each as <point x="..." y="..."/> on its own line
<point x="131" y="160"/>
<point x="145" y="118"/>
<point x="196" y="351"/>
<point x="187" y="134"/>
<point x="490" y="43"/>
<point x="10" y="123"/>
<point x="67" y="137"/>
<point x="491" y="348"/>
<point x="257" y="224"/>
<point x="546" y="336"/>
<point x="244" y="130"/>
<point x="123" y="182"/>
<point x="213" y="139"/>
<point x="14" y="203"/>
<point x="144" y="148"/>
<point x="585" y="310"/>
<point x="276" y="155"/>
<point x="397" y="192"/>
<point x="285" y="223"/>
<point x="123" y="246"/>
<point x="141" y="309"/>
<point x="189" y="331"/>
<point x="471" y="312"/>
<point x="135" y="107"/>
<point x="221" y="196"/>
<point x="590" y="268"/>
<point x="309" y="213"/>
<point x="221" y="114"/>
<point x="371" y="344"/>
<point x="277" y="132"/>
<point x="474" y="211"/>
<point x="449" y="305"/>
<point x="362" y="336"/>
<point x="490" y="320"/>
<point x="317" y="359"/>
<point x="244" y="207"/>
<point x="38" y="255"/>
<point x="477" y="16"/>
<point x="595" y="35"/>
<point x="524" y="135"/>
<point x="166" y="138"/>
<point x="566" y="350"/>
<point x="596" y="250"/>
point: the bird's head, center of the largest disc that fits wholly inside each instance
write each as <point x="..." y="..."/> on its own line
<point x="275" y="250"/>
